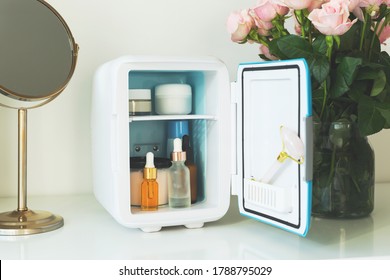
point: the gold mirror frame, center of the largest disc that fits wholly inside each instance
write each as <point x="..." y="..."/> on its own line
<point x="23" y="221"/>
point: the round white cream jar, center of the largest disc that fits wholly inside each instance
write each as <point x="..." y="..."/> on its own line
<point x="173" y="99"/>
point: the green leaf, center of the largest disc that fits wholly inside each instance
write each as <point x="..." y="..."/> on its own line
<point x="294" y="46"/>
<point x="351" y="38"/>
<point x="320" y="67"/>
<point x="345" y="75"/>
<point x="317" y="99"/>
<point x="263" y="57"/>
<point x="337" y="40"/>
<point x="349" y="65"/>
<point x="357" y="90"/>
<point x="379" y="83"/>
<point x="384" y="109"/>
<point x="319" y="44"/>
<point x="274" y="49"/>
<point x="366" y="75"/>
<point x="384" y="58"/>
<point x="370" y="119"/>
<point x="362" y="164"/>
<point x="369" y="71"/>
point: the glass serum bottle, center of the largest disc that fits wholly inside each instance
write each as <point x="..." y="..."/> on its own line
<point x="149" y="186"/>
<point x="179" y="191"/>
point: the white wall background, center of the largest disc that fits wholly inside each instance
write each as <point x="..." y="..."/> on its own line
<point x="59" y="156"/>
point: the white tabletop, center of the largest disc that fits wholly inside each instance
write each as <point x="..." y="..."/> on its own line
<point x="91" y="233"/>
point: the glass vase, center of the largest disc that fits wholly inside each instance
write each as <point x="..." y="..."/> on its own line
<point x="343" y="171"/>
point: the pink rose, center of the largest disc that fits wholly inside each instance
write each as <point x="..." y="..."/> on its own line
<point x="354" y="7"/>
<point x="263" y="31"/>
<point x="385" y="34"/>
<point x="372" y="6"/>
<point x="296" y="4"/>
<point x="265" y="50"/>
<point x="267" y="10"/>
<point x="297" y="27"/>
<point x="332" y="18"/>
<point x="370" y="3"/>
<point x="239" y="24"/>
<point x="261" y="24"/>
<point x="316" y="4"/>
<point x="353" y="4"/>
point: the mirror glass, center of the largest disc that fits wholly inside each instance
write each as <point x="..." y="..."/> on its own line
<point x="37" y="50"/>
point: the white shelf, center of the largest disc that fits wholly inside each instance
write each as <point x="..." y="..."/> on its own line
<point x="91" y="233"/>
<point x="170" y="117"/>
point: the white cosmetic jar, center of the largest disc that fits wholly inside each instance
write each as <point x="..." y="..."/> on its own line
<point x="173" y="99"/>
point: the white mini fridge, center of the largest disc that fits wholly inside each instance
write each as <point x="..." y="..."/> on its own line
<point x="235" y="132"/>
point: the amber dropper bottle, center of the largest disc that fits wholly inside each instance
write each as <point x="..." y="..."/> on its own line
<point x="191" y="166"/>
<point x="149" y="186"/>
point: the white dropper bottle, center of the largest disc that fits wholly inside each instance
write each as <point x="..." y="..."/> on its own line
<point x="179" y="191"/>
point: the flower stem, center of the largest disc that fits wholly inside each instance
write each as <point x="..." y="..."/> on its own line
<point x="300" y="20"/>
<point x="329" y="42"/>
<point x="324" y="101"/>
<point x="366" y="19"/>
<point x="378" y="33"/>
<point x="332" y="166"/>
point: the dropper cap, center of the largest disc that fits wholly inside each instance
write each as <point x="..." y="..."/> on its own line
<point x="178" y="154"/>
<point x="150" y="171"/>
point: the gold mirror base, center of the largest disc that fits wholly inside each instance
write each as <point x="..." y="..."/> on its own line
<point x="28" y="222"/>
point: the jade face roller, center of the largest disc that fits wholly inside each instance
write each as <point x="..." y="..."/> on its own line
<point x="292" y="148"/>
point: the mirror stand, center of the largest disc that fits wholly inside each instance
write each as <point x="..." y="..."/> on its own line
<point x="23" y="221"/>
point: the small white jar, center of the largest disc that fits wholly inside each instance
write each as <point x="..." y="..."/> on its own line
<point x="140" y="102"/>
<point x="173" y="99"/>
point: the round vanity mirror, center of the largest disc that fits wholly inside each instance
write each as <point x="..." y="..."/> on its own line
<point x="37" y="60"/>
<point x="37" y="51"/>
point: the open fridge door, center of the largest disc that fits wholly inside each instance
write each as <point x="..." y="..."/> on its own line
<point x="274" y="143"/>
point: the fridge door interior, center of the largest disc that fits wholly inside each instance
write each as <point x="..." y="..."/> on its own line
<point x="274" y="143"/>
